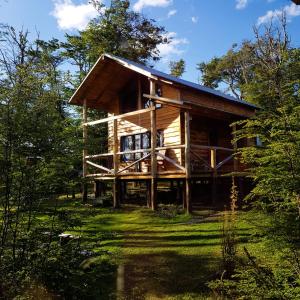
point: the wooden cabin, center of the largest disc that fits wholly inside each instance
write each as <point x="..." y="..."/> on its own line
<point x="159" y="128"/>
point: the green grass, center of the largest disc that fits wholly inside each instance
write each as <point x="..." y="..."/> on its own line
<point x="161" y="257"/>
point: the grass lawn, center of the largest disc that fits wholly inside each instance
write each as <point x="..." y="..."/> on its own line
<point x="159" y="257"/>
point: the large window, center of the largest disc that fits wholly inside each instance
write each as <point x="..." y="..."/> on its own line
<point x="137" y="142"/>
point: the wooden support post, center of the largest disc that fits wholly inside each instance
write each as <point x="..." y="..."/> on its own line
<point x="84" y="153"/>
<point x="235" y="160"/>
<point x="116" y="193"/>
<point x="97" y="188"/>
<point x="213" y="164"/>
<point x="148" y="193"/>
<point x="187" y="155"/>
<point x="116" y="185"/>
<point x="139" y="94"/>
<point x="183" y="193"/>
<point x="115" y="147"/>
<point x="153" y="153"/>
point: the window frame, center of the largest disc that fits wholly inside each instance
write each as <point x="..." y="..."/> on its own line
<point x="129" y="157"/>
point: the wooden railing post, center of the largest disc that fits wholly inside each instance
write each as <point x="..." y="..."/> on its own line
<point x="84" y="152"/>
<point x="116" y="187"/>
<point x="153" y="153"/>
<point x="187" y="155"/>
<point x="213" y="164"/>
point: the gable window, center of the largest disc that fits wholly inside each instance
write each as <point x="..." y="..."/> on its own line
<point x="137" y="142"/>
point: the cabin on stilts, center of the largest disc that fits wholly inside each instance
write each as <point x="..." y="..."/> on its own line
<point x="160" y="129"/>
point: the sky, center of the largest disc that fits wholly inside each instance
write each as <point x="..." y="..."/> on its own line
<point x="200" y="29"/>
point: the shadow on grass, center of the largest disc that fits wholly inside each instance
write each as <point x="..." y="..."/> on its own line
<point x="167" y="273"/>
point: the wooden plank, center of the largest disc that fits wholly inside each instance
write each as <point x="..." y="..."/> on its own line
<point x="139" y="93"/>
<point x="99" y="166"/>
<point x="153" y="153"/>
<point x="204" y="147"/>
<point x="201" y="158"/>
<point x="115" y="146"/>
<point x="187" y="153"/>
<point x="166" y="100"/>
<point x="116" y="193"/>
<point x="137" y="112"/>
<point x="171" y="161"/>
<point x="220" y="164"/>
<point x="134" y="163"/>
<point x="213" y="163"/>
<point x="213" y="159"/>
<point x="99" y="155"/>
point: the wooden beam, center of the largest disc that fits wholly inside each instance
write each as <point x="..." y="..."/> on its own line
<point x="204" y="147"/>
<point x="99" y="155"/>
<point x="116" y="193"/>
<point x="134" y="163"/>
<point x="139" y="93"/>
<point x="187" y="155"/>
<point x="115" y="146"/>
<point x="153" y="146"/>
<point x="201" y="158"/>
<point x="213" y="164"/>
<point x="133" y="113"/>
<point x="172" y="161"/>
<point x="220" y="164"/>
<point x="99" y="167"/>
<point x="84" y="152"/>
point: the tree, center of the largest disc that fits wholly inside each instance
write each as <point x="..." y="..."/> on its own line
<point x="273" y="73"/>
<point x="177" y="68"/>
<point x="38" y="144"/>
<point x="118" y="31"/>
<point x="234" y="69"/>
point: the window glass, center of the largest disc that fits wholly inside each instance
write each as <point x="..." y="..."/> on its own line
<point x="139" y="141"/>
<point x="127" y="144"/>
<point x="160" y="138"/>
<point x="138" y="145"/>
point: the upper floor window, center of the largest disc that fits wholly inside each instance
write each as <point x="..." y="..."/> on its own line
<point x="137" y="142"/>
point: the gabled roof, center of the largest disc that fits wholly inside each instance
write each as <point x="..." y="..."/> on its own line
<point x="155" y="74"/>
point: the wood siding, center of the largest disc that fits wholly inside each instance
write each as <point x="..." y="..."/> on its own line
<point x="168" y="120"/>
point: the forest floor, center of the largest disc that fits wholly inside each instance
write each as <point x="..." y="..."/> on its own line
<point x="160" y="255"/>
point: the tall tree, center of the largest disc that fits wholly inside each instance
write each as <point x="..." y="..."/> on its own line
<point x="177" y="68"/>
<point x="118" y="31"/>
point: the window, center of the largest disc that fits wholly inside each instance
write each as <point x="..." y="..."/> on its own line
<point x="159" y="93"/>
<point x="139" y="141"/>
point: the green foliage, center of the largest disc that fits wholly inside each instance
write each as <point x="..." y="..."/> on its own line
<point x="118" y="31"/>
<point x="274" y="166"/>
<point x="177" y="68"/>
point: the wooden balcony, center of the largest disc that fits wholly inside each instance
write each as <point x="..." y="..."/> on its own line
<point x="197" y="160"/>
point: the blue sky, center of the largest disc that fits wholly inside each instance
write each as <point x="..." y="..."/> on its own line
<point x="201" y="29"/>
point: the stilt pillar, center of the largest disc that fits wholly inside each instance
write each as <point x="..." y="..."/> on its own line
<point x="153" y="193"/>
<point x="187" y="184"/>
<point x="97" y="188"/>
<point x="116" y="193"/>
<point x="148" y="193"/>
<point x="153" y="150"/>
<point x="188" y="191"/>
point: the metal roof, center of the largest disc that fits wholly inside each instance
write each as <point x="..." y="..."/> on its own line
<point x="145" y="70"/>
